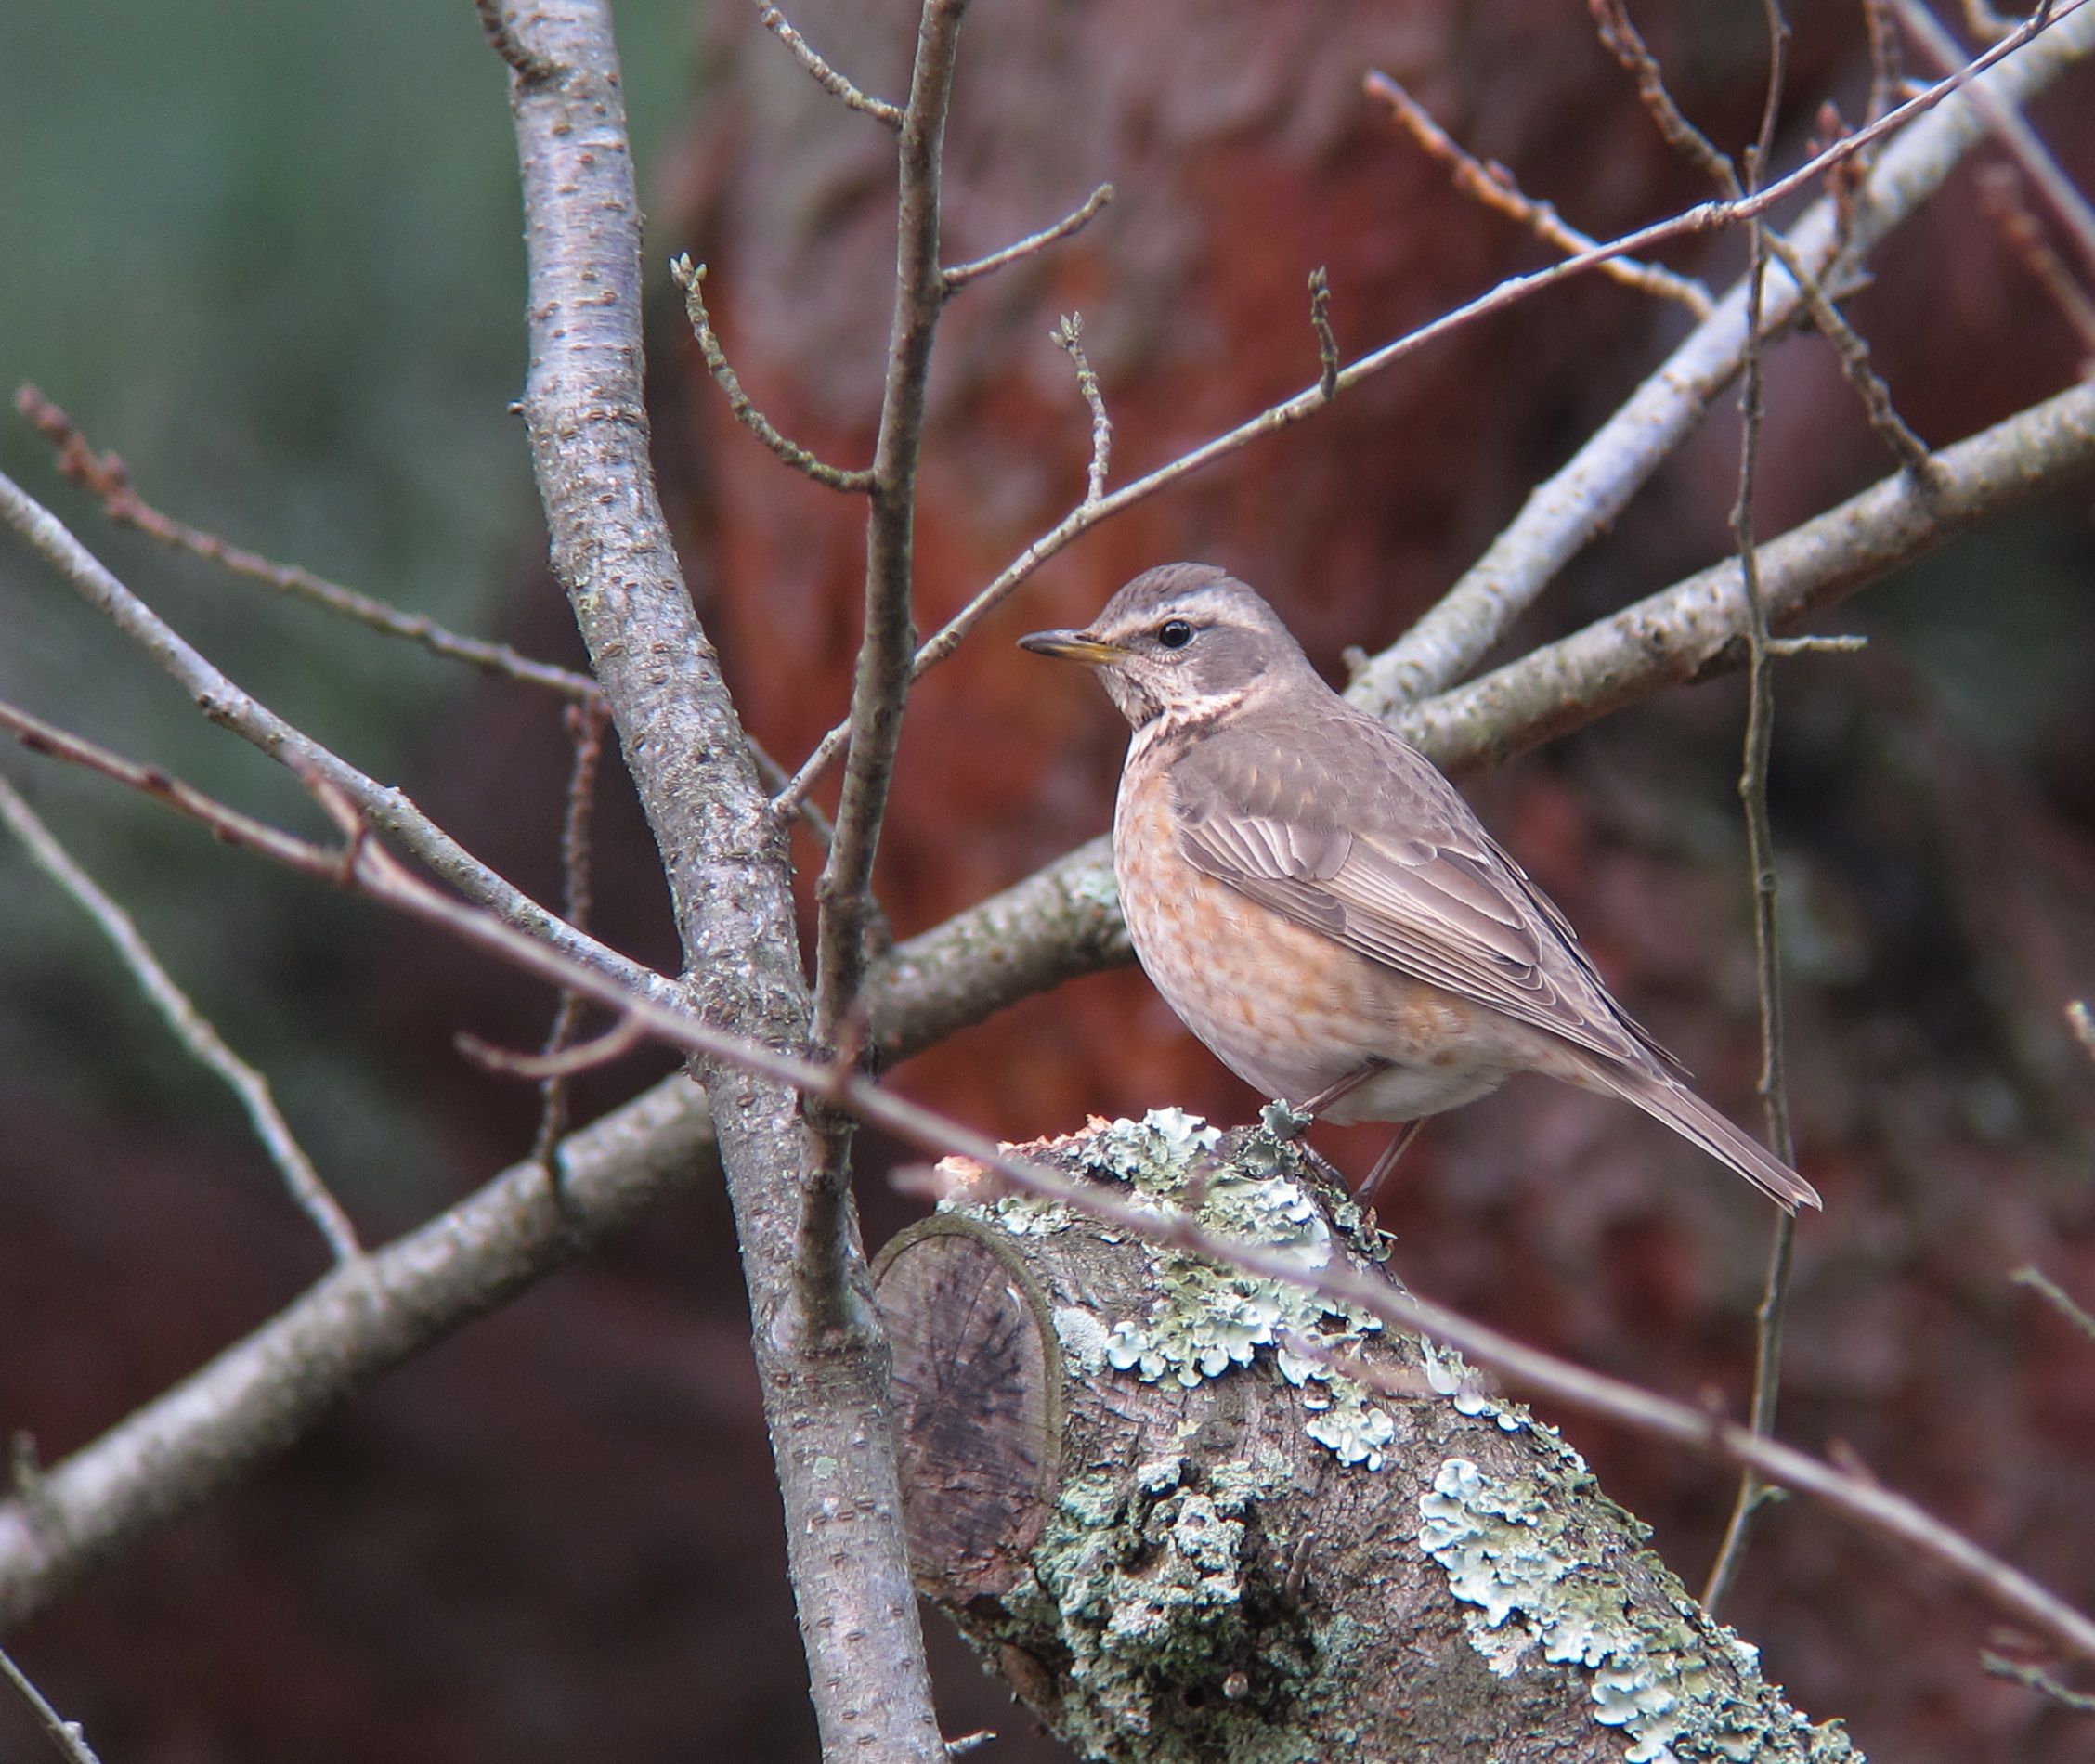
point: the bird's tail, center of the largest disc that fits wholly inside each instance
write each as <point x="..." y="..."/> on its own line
<point x="1692" y="1118"/>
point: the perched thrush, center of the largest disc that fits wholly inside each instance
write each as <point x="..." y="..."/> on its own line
<point x="1321" y="907"/>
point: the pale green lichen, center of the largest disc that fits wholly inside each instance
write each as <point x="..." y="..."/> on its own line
<point x="1082" y="1336"/>
<point x="1140" y="1581"/>
<point x="1207" y="1318"/>
<point x="1449" y="1374"/>
<point x="1537" y="1594"/>
<point x="1027" y="1215"/>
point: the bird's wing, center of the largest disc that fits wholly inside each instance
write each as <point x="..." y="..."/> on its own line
<point x="1341" y="825"/>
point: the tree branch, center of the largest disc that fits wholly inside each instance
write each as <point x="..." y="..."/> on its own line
<point x="225" y="704"/>
<point x="880" y="690"/>
<point x="190" y="1026"/>
<point x="1584" y="498"/>
<point x="825" y="1401"/>
<point x="1032" y="244"/>
<point x="106" y="477"/>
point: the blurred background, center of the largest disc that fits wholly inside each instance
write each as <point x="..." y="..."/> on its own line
<point x="272" y="255"/>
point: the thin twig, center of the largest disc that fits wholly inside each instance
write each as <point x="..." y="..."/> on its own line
<point x="1585" y="497"/>
<point x="845" y="914"/>
<point x="2075" y="212"/>
<point x="1320" y="326"/>
<point x="1818" y="645"/>
<point x="586" y="724"/>
<point x="556" y="1065"/>
<point x="189" y="1025"/>
<point x="691" y="279"/>
<point x="1441" y="646"/>
<point x="107" y="477"/>
<point x="526" y="63"/>
<point x="2036" y="1679"/>
<point x="227" y="705"/>
<point x="1621" y="40"/>
<point x="66" y="1735"/>
<point x="1887" y="67"/>
<point x="2000" y="194"/>
<point x="1069" y="337"/>
<point x="1760" y="851"/>
<point x="1621" y="36"/>
<point x="1492" y="186"/>
<point x="831" y="82"/>
<point x="960" y="275"/>
<point x="2058" y="1298"/>
<point x="1856" y="366"/>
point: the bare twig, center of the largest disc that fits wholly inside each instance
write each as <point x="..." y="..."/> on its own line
<point x="845" y="914"/>
<point x="2073" y="211"/>
<point x="831" y="82"/>
<point x="1856" y="366"/>
<point x="107" y="477"/>
<point x="1760" y="852"/>
<point x="827" y="1408"/>
<point x="1621" y="40"/>
<point x="1492" y="186"/>
<point x="1817" y="645"/>
<point x="2000" y="192"/>
<point x="1585" y="497"/>
<point x="1320" y="326"/>
<point x="529" y="65"/>
<point x="960" y="275"/>
<point x="691" y="279"/>
<point x="2057" y="1298"/>
<point x="586" y="724"/>
<point x="226" y="705"/>
<point x="66" y="1735"/>
<point x="1069" y="337"/>
<point x="556" y="1065"/>
<point x="1695" y="629"/>
<point x="189" y="1026"/>
<point x="2036" y="1679"/>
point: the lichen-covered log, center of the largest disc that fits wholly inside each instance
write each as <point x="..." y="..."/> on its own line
<point x="1146" y="1493"/>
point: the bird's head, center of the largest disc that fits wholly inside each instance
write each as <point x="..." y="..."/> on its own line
<point x="1184" y="638"/>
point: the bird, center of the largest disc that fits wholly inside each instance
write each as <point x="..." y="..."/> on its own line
<point x="1319" y="905"/>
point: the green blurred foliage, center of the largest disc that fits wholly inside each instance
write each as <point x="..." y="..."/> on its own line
<point x="272" y="255"/>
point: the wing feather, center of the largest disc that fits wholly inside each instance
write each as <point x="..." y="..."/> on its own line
<point x="1368" y="844"/>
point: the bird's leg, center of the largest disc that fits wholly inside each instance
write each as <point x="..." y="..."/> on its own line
<point x="1284" y="1120"/>
<point x="1387" y="1162"/>
<point x="1339" y="1088"/>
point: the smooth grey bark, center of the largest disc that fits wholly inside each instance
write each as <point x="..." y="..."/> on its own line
<point x="824" y="1383"/>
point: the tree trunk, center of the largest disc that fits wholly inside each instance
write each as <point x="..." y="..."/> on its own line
<point x="1148" y="1496"/>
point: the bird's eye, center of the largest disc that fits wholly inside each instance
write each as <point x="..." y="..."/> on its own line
<point x="1175" y="633"/>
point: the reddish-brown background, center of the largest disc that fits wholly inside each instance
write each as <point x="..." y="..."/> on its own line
<point x="555" y="1536"/>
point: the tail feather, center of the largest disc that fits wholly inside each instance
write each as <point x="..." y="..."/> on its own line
<point x="1689" y="1115"/>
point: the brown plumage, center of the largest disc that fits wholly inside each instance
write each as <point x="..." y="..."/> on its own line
<point x="1319" y="904"/>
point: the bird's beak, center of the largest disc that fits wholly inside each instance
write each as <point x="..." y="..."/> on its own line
<point x="1074" y="646"/>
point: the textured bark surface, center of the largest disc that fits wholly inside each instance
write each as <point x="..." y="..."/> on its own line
<point x="1176" y="1537"/>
